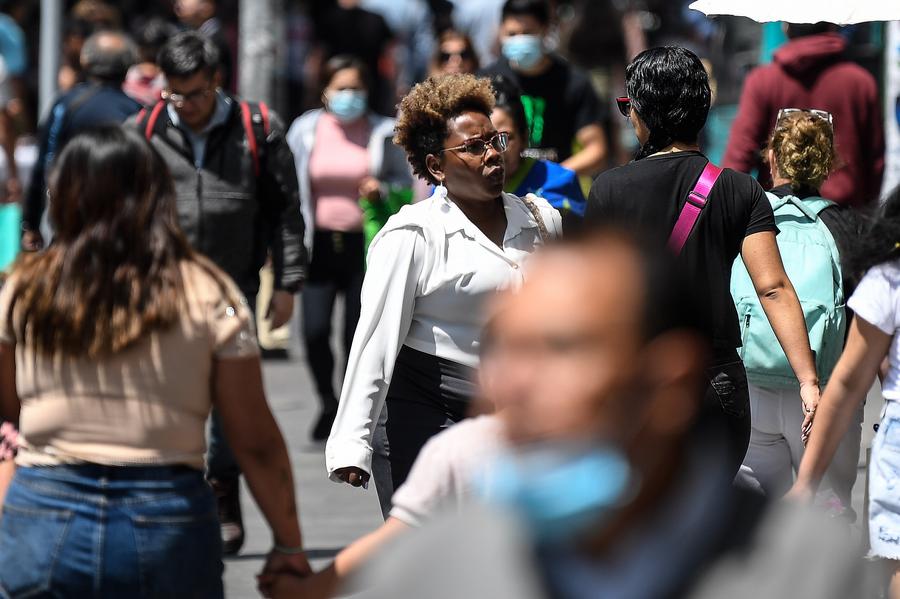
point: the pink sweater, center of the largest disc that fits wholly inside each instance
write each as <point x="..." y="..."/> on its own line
<point x="338" y="164"/>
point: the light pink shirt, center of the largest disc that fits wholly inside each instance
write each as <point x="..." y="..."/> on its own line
<point x="338" y="164"/>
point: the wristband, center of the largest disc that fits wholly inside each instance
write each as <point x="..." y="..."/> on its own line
<point x="285" y="550"/>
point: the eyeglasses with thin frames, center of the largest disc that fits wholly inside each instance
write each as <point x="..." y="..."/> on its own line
<point x="180" y="100"/>
<point x="478" y="146"/>
<point x="623" y="103"/>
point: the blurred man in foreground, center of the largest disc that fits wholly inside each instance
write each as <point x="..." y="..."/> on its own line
<point x="614" y="484"/>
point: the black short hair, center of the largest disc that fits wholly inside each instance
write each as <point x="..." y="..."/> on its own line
<point x="188" y="53"/>
<point x="795" y="30"/>
<point x="879" y="241"/>
<point x="151" y="35"/>
<point x="509" y="98"/>
<point x="539" y="9"/>
<point x="669" y="90"/>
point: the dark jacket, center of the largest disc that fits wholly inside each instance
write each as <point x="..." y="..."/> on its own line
<point x="810" y="72"/>
<point x="227" y="212"/>
<point x="85" y="105"/>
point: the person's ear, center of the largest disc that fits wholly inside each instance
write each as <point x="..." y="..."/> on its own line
<point x="675" y="378"/>
<point x="433" y="164"/>
<point x="217" y="78"/>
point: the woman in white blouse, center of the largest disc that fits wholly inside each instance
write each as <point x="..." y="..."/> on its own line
<point x="430" y="271"/>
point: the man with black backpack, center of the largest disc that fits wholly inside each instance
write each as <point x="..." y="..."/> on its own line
<point x="237" y="203"/>
<point x="106" y="58"/>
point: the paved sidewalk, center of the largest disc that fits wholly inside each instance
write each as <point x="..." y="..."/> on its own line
<point x="331" y="515"/>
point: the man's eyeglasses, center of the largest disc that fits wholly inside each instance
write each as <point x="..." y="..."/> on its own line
<point x="478" y="146"/>
<point x="822" y="114"/>
<point x="623" y="103"/>
<point x="180" y="100"/>
<point x="467" y="54"/>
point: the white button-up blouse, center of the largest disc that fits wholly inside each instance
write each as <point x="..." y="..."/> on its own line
<point x="430" y="271"/>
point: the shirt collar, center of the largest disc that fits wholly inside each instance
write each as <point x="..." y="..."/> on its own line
<point x="518" y="217"/>
<point x="220" y="115"/>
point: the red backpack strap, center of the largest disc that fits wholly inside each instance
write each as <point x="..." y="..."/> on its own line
<point x="696" y="201"/>
<point x="264" y="113"/>
<point x="247" y="119"/>
<point x="150" y="124"/>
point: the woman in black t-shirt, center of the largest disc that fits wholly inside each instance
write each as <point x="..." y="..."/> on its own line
<point x="668" y="102"/>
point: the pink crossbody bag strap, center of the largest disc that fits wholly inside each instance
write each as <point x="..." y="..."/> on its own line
<point x="696" y="201"/>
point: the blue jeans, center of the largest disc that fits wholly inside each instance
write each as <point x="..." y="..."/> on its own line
<point x="105" y="531"/>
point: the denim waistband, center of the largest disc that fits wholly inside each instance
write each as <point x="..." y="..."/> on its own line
<point x="117" y="472"/>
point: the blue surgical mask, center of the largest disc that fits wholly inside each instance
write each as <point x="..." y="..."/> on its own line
<point x="523" y="51"/>
<point x="347" y="104"/>
<point x="560" y="491"/>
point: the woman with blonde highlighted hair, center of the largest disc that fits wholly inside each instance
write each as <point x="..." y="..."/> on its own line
<point x="815" y="238"/>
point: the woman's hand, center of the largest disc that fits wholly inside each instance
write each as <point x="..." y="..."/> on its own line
<point x="356" y="477"/>
<point x="801" y="493"/>
<point x="370" y="189"/>
<point x="279" y="565"/>
<point x="809" y="400"/>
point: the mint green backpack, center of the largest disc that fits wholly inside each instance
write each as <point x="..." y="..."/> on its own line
<point x="812" y="262"/>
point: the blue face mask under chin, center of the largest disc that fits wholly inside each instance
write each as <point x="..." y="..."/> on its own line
<point x="560" y="491"/>
<point x="348" y="104"/>
<point x="523" y="51"/>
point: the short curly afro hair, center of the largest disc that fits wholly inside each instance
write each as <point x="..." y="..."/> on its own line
<point x="422" y="125"/>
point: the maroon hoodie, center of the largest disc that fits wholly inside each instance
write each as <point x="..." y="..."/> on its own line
<point x="809" y="72"/>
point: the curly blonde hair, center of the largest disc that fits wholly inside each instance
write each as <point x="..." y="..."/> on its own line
<point x="422" y="126"/>
<point x="804" y="149"/>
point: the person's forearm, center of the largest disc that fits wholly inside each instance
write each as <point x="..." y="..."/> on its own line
<point x="588" y="161"/>
<point x="268" y="471"/>
<point x="834" y="415"/>
<point x="786" y="317"/>
<point x="363" y="549"/>
<point x="7" y="470"/>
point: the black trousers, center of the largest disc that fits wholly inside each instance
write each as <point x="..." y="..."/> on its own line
<point x="727" y="400"/>
<point x="427" y="394"/>
<point x="338" y="267"/>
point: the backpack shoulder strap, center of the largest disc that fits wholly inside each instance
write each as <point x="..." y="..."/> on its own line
<point x="148" y="123"/>
<point x="810" y="207"/>
<point x="693" y="207"/>
<point x="253" y="121"/>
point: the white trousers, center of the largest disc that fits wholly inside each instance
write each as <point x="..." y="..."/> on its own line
<point x="776" y="449"/>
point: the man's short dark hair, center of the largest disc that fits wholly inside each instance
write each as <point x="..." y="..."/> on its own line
<point x="795" y="30"/>
<point x="539" y="9"/>
<point x="669" y="90"/>
<point x="152" y="35"/>
<point x="188" y="53"/>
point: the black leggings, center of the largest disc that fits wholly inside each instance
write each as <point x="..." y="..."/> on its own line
<point x="337" y="267"/>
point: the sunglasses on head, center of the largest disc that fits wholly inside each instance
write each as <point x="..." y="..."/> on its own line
<point x="623" y="103"/>
<point x="464" y="55"/>
<point x="822" y="114"/>
<point x="478" y="146"/>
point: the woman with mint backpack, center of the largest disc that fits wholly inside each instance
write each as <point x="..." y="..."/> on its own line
<point x="814" y="234"/>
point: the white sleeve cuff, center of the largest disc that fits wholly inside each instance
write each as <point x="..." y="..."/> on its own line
<point x="345" y="454"/>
